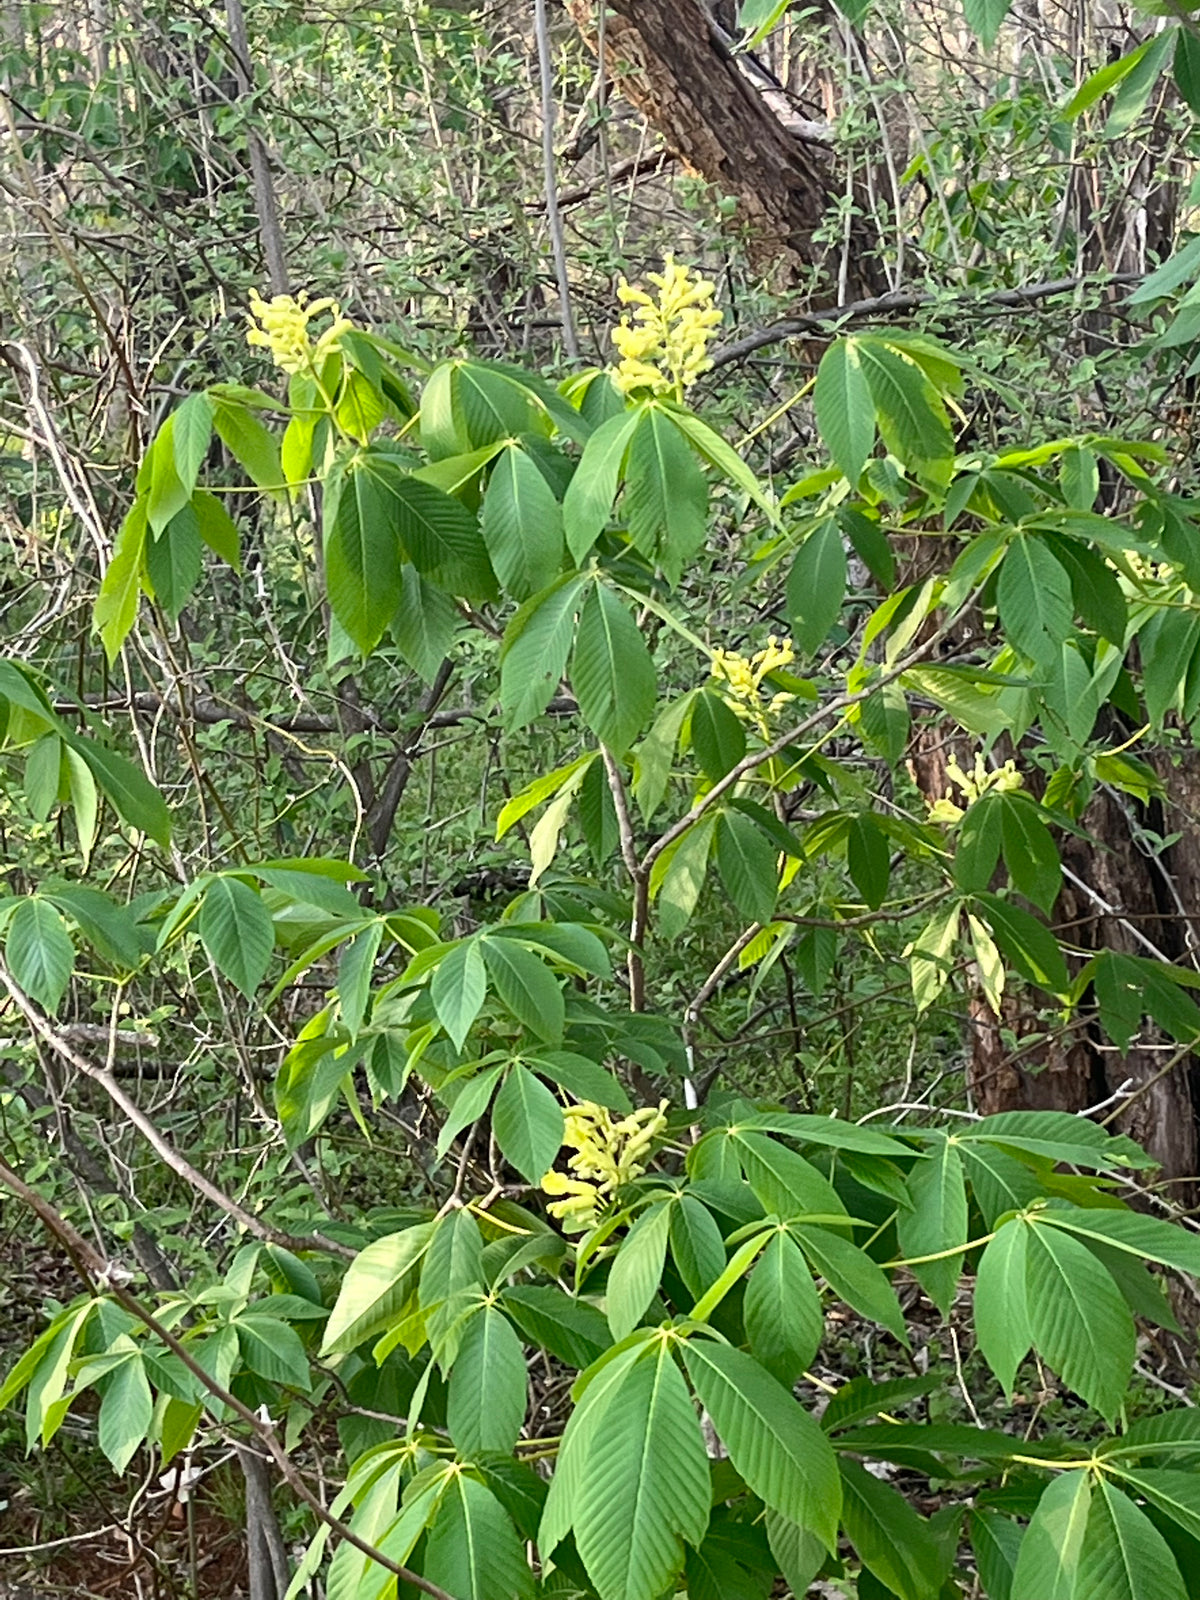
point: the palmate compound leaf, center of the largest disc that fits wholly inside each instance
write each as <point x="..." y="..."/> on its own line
<point x="644" y="1485"/>
<point x="774" y="1444"/>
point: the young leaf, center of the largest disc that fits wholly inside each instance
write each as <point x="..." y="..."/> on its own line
<point x="1002" y="1325"/>
<point x="121" y="586"/>
<point x="191" y="436"/>
<point x="522" y="525"/>
<point x="782" y="1310"/>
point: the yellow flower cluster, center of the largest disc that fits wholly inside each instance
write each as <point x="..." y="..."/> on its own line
<point x="664" y="344"/>
<point x="741" y="679"/>
<point x="280" y="325"/>
<point x="607" y="1157"/>
<point x="972" y="785"/>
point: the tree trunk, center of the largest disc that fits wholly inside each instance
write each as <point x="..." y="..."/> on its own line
<point x="670" y="60"/>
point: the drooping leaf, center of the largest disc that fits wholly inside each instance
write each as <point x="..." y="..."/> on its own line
<point x="746" y="860"/>
<point x="782" y="1310"/>
<point x="936" y="1221"/>
<point x="666" y="497"/>
<point x="458" y="989"/>
<point x="638" y="1269"/>
<point x="892" y="1541"/>
<point x="39" y="952"/>
<point x="1034" y="598"/>
<point x="526" y="986"/>
<point x="1078" y="1317"/>
<point x="844" y="409"/>
<point x="522" y="525"/>
<point x="375" y="1287"/>
<point x="1048" y="1560"/>
<point x="1002" y="1325"/>
<point x="816" y="586"/>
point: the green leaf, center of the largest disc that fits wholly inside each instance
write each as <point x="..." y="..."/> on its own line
<point x="1123" y="1556"/>
<point x="527" y="987"/>
<point x="844" y="408"/>
<point x="217" y="528"/>
<point x="816" y="586"/>
<point x="191" y="436"/>
<point x="363" y="554"/>
<point x="43" y="772"/>
<point x="868" y="856"/>
<point x="1048" y="1560"/>
<point x="522" y="525"/>
<point x="1146" y="1238"/>
<point x="120" y="588"/>
<point x="1097" y="594"/>
<point x="1167" y="644"/>
<point x="684" y="877"/>
<point x="377" y="1283"/>
<point x="853" y="1277"/>
<point x="984" y="18"/>
<point x="995" y="1541"/>
<point x="583" y="1078"/>
<point x="1030" y="853"/>
<point x="1130" y="99"/>
<point x="1080" y="1322"/>
<point x="588" y="502"/>
<point x="468" y="1105"/>
<point x="1034" y="598"/>
<point x="1176" y="1494"/>
<point x="534" y="655"/>
<point x="1002" y="1324"/>
<point x="645" y="1484"/>
<point x="611" y="671"/>
<point x="528" y="1123"/>
<point x="570" y="1329"/>
<point x="273" y="1350"/>
<point x="936" y="1221"/>
<point x="250" y="443"/>
<point x="1030" y="947"/>
<point x="1186" y="67"/>
<point x="237" y="931"/>
<point x="666" y="497"/>
<point x="173" y="561"/>
<point x="126" y="1412"/>
<point x="747" y="862"/>
<point x="910" y="414"/>
<point x="696" y="1244"/>
<point x="776" y="1446"/>
<point x="784" y="1183"/>
<point x="138" y="803"/>
<point x="487" y="1396"/>
<point x="638" y="1269"/>
<point x="722" y="456"/>
<point x="356" y="968"/>
<point x="1058" y="1136"/>
<point x="1101" y="83"/>
<point x="39" y="952"/>
<point x="892" y="1541"/>
<point x="165" y="493"/>
<point x="718" y="736"/>
<point x="782" y="1310"/>
<point x="800" y="1554"/>
<point x="458" y="989"/>
<point x="472" y="1549"/>
<point x="425" y="623"/>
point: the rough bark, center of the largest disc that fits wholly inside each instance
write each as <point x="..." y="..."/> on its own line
<point x="668" y="59"/>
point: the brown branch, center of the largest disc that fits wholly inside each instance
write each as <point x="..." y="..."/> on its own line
<point x="908" y="300"/>
<point x="161" y="1146"/>
<point x="95" y="1273"/>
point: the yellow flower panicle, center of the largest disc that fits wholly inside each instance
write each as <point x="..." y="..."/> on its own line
<point x="607" y="1155"/>
<point x="971" y="785"/>
<point x="663" y="343"/>
<point x="280" y="325"/>
<point x="740" y="679"/>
